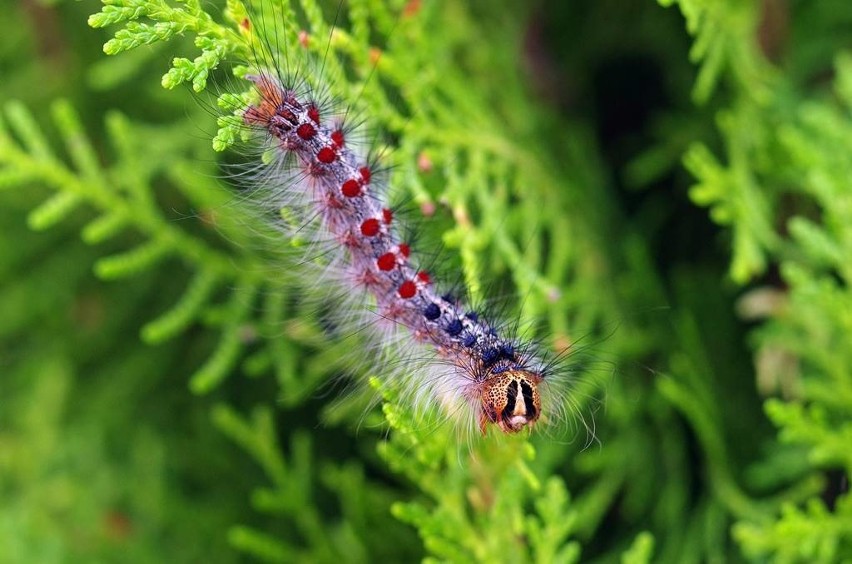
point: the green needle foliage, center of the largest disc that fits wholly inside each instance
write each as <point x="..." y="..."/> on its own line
<point x="662" y="190"/>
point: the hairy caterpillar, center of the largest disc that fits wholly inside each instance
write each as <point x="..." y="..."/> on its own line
<point x="332" y="197"/>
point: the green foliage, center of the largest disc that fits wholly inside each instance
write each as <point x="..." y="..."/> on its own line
<point x="117" y="226"/>
<point x="784" y="191"/>
<point x="165" y="22"/>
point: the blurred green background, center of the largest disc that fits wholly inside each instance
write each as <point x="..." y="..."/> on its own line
<point x="665" y="186"/>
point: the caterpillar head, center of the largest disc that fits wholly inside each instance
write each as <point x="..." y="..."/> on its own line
<point x="511" y="400"/>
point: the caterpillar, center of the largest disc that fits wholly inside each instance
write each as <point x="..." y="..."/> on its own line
<point x="311" y="167"/>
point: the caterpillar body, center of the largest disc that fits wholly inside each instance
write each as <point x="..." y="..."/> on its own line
<point x="313" y="166"/>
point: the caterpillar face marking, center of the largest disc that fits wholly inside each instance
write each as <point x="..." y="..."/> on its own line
<point x="511" y="400"/>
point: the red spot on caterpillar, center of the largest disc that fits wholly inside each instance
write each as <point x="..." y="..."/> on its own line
<point x="337" y="138"/>
<point x="386" y="262"/>
<point x="306" y="131"/>
<point x="404" y="250"/>
<point x="423" y="276"/>
<point x="326" y="155"/>
<point x="304" y="39"/>
<point x="365" y="174"/>
<point x="407" y="289"/>
<point x="351" y="188"/>
<point x="245" y="24"/>
<point x="370" y="227"/>
<point x="387" y="216"/>
<point x="313" y="113"/>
